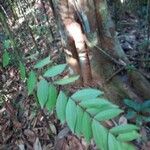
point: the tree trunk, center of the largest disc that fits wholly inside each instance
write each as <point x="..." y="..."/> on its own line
<point x="94" y="46"/>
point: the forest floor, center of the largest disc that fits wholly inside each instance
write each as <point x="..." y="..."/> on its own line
<point x="22" y="125"/>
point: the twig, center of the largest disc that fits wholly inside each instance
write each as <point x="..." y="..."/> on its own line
<point x="110" y="57"/>
<point x="114" y="74"/>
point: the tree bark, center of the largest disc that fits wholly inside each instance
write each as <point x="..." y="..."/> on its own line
<point x="97" y="51"/>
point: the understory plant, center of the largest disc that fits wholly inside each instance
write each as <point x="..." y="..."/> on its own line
<point x="85" y="111"/>
<point x="7" y="58"/>
<point x="138" y="111"/>
<point x="6" y="55"/>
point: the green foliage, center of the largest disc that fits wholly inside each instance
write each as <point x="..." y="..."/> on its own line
<point x="71" y="114"/>
<point x="85" y="94"/>
<point x="61" y="105"/>
<point x="100" y="135"/>
<point x="22" y="70"/>
<point x="47" y="93"/>
<point x="86" y="126"/>
<point x="42" y="63"/>
<point x="130" y="67"/>
<point x="108" y="114"/>
<point x="138" y="111"/>
<point x="52" y="96"/>
<point x="7" y="44"/>
<point x="84" y="111"/>
<point x="88" y="123"/>
<point x="67" y="80"/>
<point x="123" y="129"/>
<point x="6" y="58"/>
<point x="31" y="82"/>
<point x="42" y="92"/>
<point x="79" y="121"/>
<point x="129" y="136"/>
<point x="55" y="70"/>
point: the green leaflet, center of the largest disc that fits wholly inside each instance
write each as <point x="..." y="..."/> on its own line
<point x="123" y="129"/>
<point x="78" y="129"/>
<point x="97" y="103"/>
<point x="5" y="58"/>
<point x="128" y="146"/>
<point x="31" y="82"/>
<point x="42" y="63"/>
<point x="129" y="136"/>
<point x="61" y="106"/>
<point x="86" y="126"/>
<point x="100" y="135"/>
<point x="131" y="114"/>
<point x="71" y="114"/>
<point x="52" y="96"/>
<point x="22" y="70"/>
<point x="133" y="104"/>
<point x="146" y="105"/>
<point x="67" y="80"/>
<point x="86" y="94"/>
<point x="55" y="70"/>
<point x="113" y="144"/>
<point x="93" y="111"/>
<point x="42" y="92"/>
<point x="108" y="114"/>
